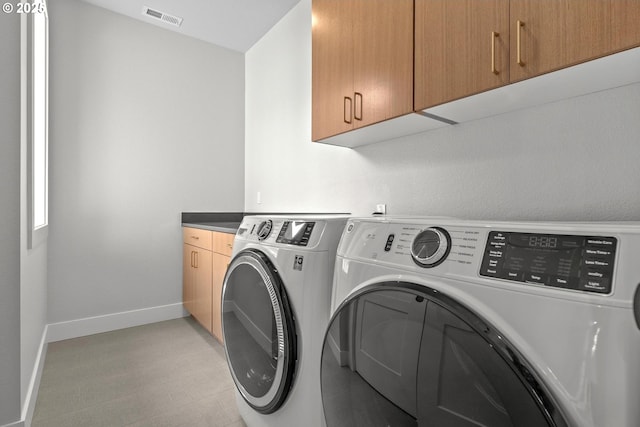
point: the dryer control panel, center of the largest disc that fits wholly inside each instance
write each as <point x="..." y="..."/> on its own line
<point x="583" y="263"/>
<point x="295" y="232"/>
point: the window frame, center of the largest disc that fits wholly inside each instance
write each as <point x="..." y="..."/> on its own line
<point x="37" y="230"/>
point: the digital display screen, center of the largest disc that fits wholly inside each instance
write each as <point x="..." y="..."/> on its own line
<point x="295" y="233"/>
<point x="543" y="242"/>
<point x="563" y="261"/>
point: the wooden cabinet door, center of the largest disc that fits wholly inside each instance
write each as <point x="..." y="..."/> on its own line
<point x="559" y="33"/>
<point x="222" y="242"/>
<point x="203" y="291"/>
<point x="188" y="296"/>
<point x="462" y="48"/>
<point x="382" y="60"/>
<point x="220" y="264"/>
<point x="332" y="68"/>
<point x="362" y="63"/>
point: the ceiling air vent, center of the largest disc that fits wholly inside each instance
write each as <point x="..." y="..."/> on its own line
<point x="164" y="17"/>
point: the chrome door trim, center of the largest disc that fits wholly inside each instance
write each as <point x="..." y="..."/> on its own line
<point x="285" y="331"/>
<point x="525" y="371"/>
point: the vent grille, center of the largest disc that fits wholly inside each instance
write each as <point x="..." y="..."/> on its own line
<point x="164" y="17"/>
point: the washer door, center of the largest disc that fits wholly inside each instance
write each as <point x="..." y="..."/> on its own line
<point x="259" y="331"/>
<point x="400" y="354"/>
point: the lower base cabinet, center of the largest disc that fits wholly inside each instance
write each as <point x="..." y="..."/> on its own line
<point x="220" y="264"/>
<point x="206" y="256"/>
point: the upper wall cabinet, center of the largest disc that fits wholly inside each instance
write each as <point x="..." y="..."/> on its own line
<point x="469" y="46"/>
<point x="472" y="59"/>
<point x="553" y="34"/>
<point x="362" y="59"/>
<point x="462" y="47"/>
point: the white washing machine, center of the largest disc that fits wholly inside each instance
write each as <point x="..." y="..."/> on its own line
<point x="441" y="322"/>
<point x="275" y="308"/>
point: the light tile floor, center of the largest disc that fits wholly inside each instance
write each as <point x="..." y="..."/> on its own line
<point x="168" y="374"/>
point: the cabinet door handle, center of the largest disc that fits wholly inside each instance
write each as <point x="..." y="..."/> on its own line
<point x="519" y="25"/>
<point x="346" y="98"/>
<point x="357" y="116"/>
<point x="192" y="259"/>
<point x="494" y="36"/>
<point x="195" y="264"/>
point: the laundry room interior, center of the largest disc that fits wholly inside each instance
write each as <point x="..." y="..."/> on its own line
<point x="181" y="166"/>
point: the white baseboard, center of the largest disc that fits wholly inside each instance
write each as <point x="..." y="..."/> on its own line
<point x="34" y="383"/>
<point x="111" y="322"/>
<point x="341" y="356"/>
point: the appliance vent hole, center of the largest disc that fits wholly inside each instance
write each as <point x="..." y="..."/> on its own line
<point x="164" y="17"/>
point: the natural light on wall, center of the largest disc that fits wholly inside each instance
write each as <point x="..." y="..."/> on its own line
<point x="38" y="100"/>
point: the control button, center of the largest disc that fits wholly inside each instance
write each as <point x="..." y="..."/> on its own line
<point x="497" y="236"/>
<point x="598" y="252"/>
<point x="609" y="242"/>
<point x="387" y="246"/>
<point x="589" y="284"/>
<point x="492" y="272"/>
<point x="597" y="274"/>
<point x="430" y="247"/>
<point x="560" y="282"/>
<point x="495" y="254"/>
<point x="514" y="275"/>
<point x="536" y="278"/>
<point x="597" y="262"/>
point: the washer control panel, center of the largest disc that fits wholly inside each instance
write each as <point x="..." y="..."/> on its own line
<point x="583" y="263"/>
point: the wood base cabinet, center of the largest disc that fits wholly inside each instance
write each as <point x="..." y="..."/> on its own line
<point x="206" y="255"/>
<point x="197" y="277"/>
<point x="220" y="264"/>
<point x="222" y="247"/>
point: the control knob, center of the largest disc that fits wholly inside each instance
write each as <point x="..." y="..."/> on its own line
<point x="430" y="247"/>
<point x="264" y="229"/>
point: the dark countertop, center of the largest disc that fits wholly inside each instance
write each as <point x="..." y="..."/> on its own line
<point x="221" y="226"/>
<point x="225" y="222"/>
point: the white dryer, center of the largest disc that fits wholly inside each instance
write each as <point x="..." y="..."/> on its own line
<point x="275" y="308"/>
<point x="441" y="322"/>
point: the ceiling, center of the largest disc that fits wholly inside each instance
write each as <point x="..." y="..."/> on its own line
<point x="234" y="24"/>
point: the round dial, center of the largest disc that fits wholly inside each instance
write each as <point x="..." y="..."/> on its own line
<point x="264" y="229"/>
<point x="430" y="247"/>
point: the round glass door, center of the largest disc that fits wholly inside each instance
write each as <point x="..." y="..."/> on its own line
<point x="399" y="354"/>
<point x="259" y="331"/>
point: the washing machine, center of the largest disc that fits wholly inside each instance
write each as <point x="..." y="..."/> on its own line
<point x="275" y="308"/>
<point x="442" y="322"/>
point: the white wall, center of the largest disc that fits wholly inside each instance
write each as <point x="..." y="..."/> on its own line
<point x="572" y="160"/>
<point x="146" y="124"/>
<point x="9" y="218"/>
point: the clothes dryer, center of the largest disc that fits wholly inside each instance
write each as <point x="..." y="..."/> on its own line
<point x="440" y="322"/>
<point x="275" y="309"/>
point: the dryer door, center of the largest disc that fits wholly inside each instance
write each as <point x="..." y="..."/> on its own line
<point x="400" y="354"/>
<point x="259" y="331"/>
